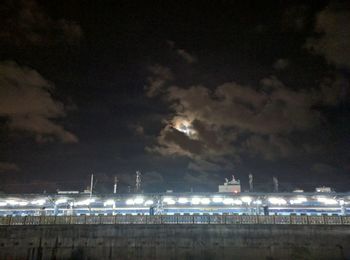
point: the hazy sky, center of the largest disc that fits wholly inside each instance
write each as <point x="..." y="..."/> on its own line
<point x="188" y="93"/>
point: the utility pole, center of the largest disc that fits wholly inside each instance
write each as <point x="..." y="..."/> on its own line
<point x="91" y="184"/>
<point x="115" y="184"/>
<point x="138" y="181"/>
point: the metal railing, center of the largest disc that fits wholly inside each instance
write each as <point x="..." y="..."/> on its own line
<point x="174" y="219"/>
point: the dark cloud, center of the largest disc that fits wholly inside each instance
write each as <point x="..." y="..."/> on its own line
<point x="204" y="166"/>
<point x="323" y="168"/>
<point x="270" y="147"/>
<point x="160" y="76"/>
<point x="295" y="18"/>
<point x="27" y="104"/>
<point x="205" y="145"/>
<point x="333" y="40"/>
<point x="281" y="64"/>
<point x="152" y="178"/>
<point x="203" y="179"/>
<point x="334" y="90"/>
<point x="214" y="127"/>
<point x="174" y="142"/>
<point x="25" y="22"/>
<point x="278" y="109"/>
<point x="8" y="167"/>
<point x="198" y="178"/>
<point x="186" y="56"/>
<point x="139" y="130"/>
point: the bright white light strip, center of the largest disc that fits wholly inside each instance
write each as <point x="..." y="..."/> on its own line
<point x="327" y="201"/>
<point x="60" y="201"/>
<point x="138" y="200"/>
<point x="3" y="203"/>
<point x="183" y="200"/>
<point x="38" y="202"/>
<point x="237" y="202"/>
<point x="109" y="203"/>
<point x="169" y="201"/>
<point x="12" y="202"/>
<point x="227" y="201"/>
<point x="217" y="199"/>
<point x="247" y="199"/>
<point x="257" y="202"/>
<point x="129" y="202"/>
<point x="84" y="202"/>
<point x="298" y="200"/>
<point x="205" y="201"/>
<point x="149" y="202"/>
<point x="195" y="201"/>
<point x="277" y="201"/>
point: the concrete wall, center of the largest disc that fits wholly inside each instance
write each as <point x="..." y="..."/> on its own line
<point x="175" y="242"/>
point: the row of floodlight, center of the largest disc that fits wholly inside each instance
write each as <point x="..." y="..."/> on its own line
<point x="41" y="202"/>
<point x="139" y="200"/>
<point x="231" y="201"/>
<point x="12" y="202"/>
<point x="301" y="200"/>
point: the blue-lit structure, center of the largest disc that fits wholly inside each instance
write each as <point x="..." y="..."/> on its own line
<point x="252" y="203"/>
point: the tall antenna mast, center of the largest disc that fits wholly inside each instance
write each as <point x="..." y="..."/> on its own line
<point x="138" y="181"/>
<point x="275" y="184"/>
<point x="115" y="184"/>
<point x="251" y="187"/>
<point x="91" y="184"/>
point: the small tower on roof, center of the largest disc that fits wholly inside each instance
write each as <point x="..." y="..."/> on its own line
<point x="138" y="181"/>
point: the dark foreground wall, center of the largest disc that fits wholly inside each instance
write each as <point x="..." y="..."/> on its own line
<point x="175" y="242"/>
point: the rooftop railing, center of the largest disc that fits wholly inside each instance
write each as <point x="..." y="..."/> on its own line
<point x="175" y="219"/>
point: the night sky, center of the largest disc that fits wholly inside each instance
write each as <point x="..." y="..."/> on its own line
<point x="187" y="93"/>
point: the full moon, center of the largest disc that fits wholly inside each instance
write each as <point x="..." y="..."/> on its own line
<point x="184" y="126"/>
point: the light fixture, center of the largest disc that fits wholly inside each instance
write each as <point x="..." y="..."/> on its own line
<point x="149" y="202"/>
<point x="109" y="202"/>
<point x="246" y="199"/>
<point x="138" y="200"/>
<point x="38" y="202"/>
<point x="217" y="199"/>
<point x="327" y="201"/>
<point x="298" y="200"/>
<point x="169" y="201"/>
<point x="60" y="201"/>
<point x="205" y="201"/>
<point x="195" y="201"/>
<point x="183" y="200"/>
<point x="277" y="201"/>
<point x="129" y="202"/>
<point x="84" y="202"/>
<point x="227" y="201"/>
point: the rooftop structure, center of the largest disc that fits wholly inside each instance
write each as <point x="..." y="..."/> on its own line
<point x="233" y="186"/>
